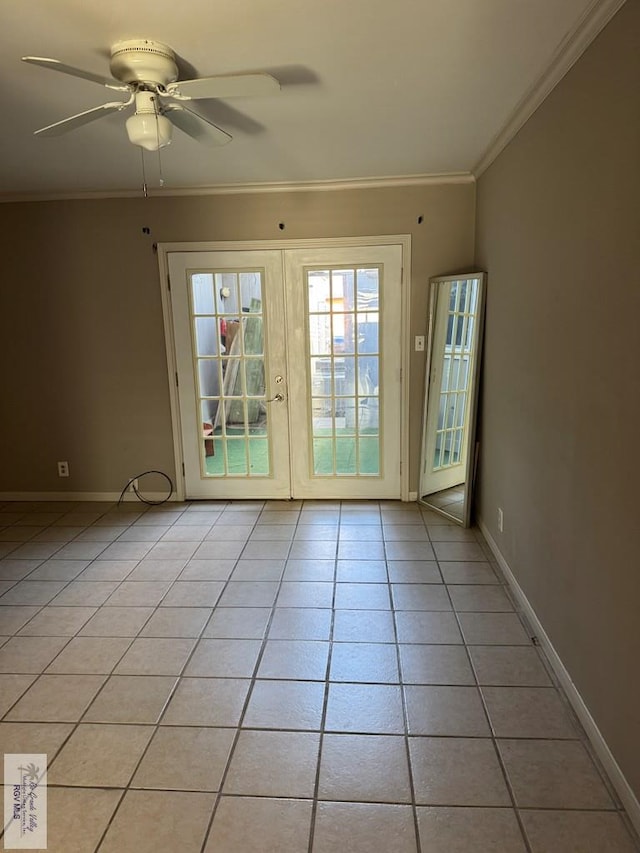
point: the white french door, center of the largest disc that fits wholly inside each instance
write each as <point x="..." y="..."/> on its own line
<point x="229" y="336"/>
<point x="344" y="332"/>
<point x="288" y="366"/>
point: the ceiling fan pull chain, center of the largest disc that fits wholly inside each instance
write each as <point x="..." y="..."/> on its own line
<point x="160" y="177"/>
<point x="144" y="177"/>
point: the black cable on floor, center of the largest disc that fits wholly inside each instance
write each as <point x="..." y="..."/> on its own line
<point x="137" y="493"/>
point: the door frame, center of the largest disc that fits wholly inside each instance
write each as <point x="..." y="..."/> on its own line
<point x="402" y="240"/>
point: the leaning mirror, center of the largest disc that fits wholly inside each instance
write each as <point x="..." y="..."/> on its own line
<point x="456" y="314"/>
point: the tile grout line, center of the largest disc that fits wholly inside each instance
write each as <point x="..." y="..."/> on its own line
<point x="127" y="788"/>
<point x="325" y="698"/>
<point x="494" y="741"/>
<point x="239" y="728"/>
<point x="405" y="707"/>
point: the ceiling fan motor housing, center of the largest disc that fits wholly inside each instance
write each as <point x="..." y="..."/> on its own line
<point x="143" y="61"/>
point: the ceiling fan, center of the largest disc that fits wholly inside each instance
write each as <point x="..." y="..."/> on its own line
<point x="147" y="71"/>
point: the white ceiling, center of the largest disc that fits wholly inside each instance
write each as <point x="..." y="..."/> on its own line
<point x="370" y="89"/>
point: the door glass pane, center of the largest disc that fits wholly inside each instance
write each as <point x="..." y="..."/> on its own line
<point x="367" y="332"/>
<point x="344" y="356"/>
<point x="319" y="291"/>
<point x="370" y="454"/>
<point x="226" y="292"/>
<point x="447" y="374"/>
<point x="344" y="376"/>
<point x="207" y="339"/>
<point x="209" y="377"/>
<point x="368" y="375"/>
<point x="323" y="463"/>
<point x="342" y="283"/>
<point x="368" y="289"/>
<point x="236" y="450"/>
<point x="348" y="291"/>
<point x="473" y="301"/>
<point x="320" y="334"/>
<point x="321" y="373"/>
<point x="323" y="421"/>
<point x="228" y="348"/>
<point x="343" y="334"/>
<point x="251" y="292"/>
<point x="451" y="407"/>
<point x="202" y="289"/>
<point x="259" y="456"/>
<point x="368" y="416"/>
<point x="346" y="452"/>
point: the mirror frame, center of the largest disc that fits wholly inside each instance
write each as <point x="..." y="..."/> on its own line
<point x="472" y="455"/>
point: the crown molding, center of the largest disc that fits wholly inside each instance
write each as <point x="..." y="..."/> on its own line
<point x="577" y="40"/>
<point x="330" y="185"/>
<point x="243" y="189"/>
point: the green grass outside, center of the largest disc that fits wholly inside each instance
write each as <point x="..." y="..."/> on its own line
<point x="258" y="447"/>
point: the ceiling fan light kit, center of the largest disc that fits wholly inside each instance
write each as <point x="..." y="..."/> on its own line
<point x="147" y="71"/>
<point x="148" y="127"/>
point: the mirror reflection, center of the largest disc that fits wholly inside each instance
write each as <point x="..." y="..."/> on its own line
<point x="456" y="312"/>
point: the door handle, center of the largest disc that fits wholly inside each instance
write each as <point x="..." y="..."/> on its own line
<point x="279" y="398"/>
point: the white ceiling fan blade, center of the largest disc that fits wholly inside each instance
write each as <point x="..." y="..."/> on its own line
<point x="225" y="86"/>
<point x="55" y="65"/>
<point x="196" y="126"/>
<point x="78" y="120"/>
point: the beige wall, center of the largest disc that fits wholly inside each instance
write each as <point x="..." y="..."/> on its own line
<point x="558" y="231"/>
<point x="83" y="365"/>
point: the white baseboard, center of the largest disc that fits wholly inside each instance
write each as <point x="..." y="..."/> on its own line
<point x="413" y="497"/>
<point x="599" y="744"/>
<point x="82" y="496"/>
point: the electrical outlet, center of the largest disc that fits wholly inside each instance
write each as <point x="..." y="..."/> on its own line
<point x="63" y="469"/>
<point x="419" y="343"/>
<point x="500" y="520"/>
<point x="133" y="485"/>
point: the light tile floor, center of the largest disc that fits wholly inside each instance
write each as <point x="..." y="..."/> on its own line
<point x="268" y="677"/>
